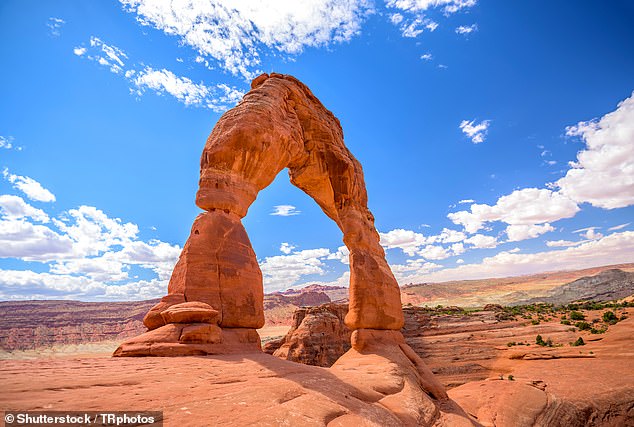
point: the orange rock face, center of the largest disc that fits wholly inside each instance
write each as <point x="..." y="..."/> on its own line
<point x="279" y="124"/>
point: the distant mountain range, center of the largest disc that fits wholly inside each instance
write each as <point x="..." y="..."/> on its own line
<point x="36" y="324"/>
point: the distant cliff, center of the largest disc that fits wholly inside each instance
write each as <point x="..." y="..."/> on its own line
<point x="608" y="285"/>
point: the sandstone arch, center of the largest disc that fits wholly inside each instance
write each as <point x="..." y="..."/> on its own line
<point x="278" y="124"/>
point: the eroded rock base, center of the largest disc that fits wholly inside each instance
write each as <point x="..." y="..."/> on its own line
<point x="191" y="339"/>
<point x="385" y="370"/>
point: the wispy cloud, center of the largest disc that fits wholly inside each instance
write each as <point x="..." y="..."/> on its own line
<point x="184" y="90"/>
<point x="54" y="25"/>
<point x="285" y="210"/>
<point x="619" y="227"/>
<point x="219" y="97"/>
<point x="475" y="131"/>
<point x="33" y="189"/>
<point x="6" y="142"/>
<point x="466" y="29"/>
<point x="412" y="18"/>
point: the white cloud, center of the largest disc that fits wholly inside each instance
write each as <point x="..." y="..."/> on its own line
<point x="54" y="25"/>
<point x="184" y="90"/>
<point x="31" y="242"/>
<point x="93" y="231"/>
<point x="286" y="248"/>
<point x="407" y="240"/>
<point x="482" y="241"/>
<point x="522" y="207"/>
<point x="14" y="207"/>
<point x="412" y="267"/>
<point x="412" y="19"/>
<point x="466" y="29"/>
<point x="563" y="243"/>
<point x="466" y="201"/>
<point x="6" y="142"/>
<point x="88" y="254"/>
<point x="396" y="18"/>
<point x="235" y="34"/>
<point x="619" y="227"/>
<point x="29" y="186"/>
<point x="283" y="271"/>
<point x="447" y="236"/>
<point x="342" y="254"/>
<point x="458" y="248"/>
<point x="589" y="233"/>
<point x="104" y="54"/>
<point x="16" y="284"/>
<point x="426" y="57"/>
<point x="518" y="232"/>
<point x="219" y="97"/>
<point x="434" y="252"/>
<point x="448" y="6"/>
<point x="285" y="210"/>
<point x="612" y="249"/>
<point x="603" y="174"/>
<point x="477" y="132"/>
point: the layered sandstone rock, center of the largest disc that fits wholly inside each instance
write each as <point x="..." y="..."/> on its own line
<point x="279" y="124"/>
<point x="318" y="336"/>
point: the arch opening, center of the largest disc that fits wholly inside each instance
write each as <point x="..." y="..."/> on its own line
<point x="278" y="124"/>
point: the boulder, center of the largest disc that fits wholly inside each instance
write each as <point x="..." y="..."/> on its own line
<point x="318" y="336"/>
<point x="190" y="312"/>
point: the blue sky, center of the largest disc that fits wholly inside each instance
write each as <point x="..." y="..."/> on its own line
<point x="497" y="137"/>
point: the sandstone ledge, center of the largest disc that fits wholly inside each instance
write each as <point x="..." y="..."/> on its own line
<point x="228" y="390"/>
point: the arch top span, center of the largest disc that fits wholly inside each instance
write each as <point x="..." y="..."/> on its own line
<point x="278" y="124"/>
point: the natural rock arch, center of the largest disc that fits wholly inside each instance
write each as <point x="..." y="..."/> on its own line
<point x="279" y="124"/>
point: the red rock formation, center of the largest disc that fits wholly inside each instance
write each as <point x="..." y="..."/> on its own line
<point x="317" y="336"/>
<point x="279" y="124"/>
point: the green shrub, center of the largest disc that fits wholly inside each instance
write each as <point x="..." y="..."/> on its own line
<point x="576" y="315"/>
<point x="511" y="378"/>
<point x="583" y="326"/>
<point x="610" y="318"/>
<point x="540" y="341"/>
<point x="565" y="322"/>
<point x="578" y="342"/>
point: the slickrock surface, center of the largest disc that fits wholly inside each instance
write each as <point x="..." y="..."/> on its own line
<point x="560" y="386"/>
<point x="232" y="390"/>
